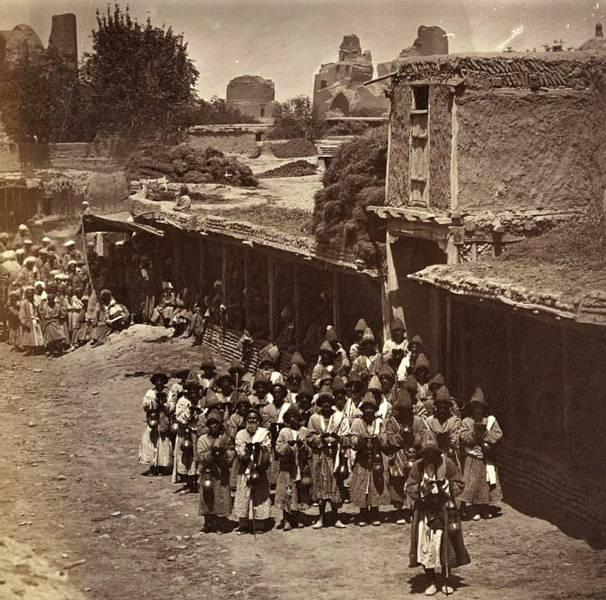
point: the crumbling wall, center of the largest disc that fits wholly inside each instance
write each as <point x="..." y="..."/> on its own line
<point x="398" y="184"/>
<point x="440" y="138"/>
<point x="523" y="150"/>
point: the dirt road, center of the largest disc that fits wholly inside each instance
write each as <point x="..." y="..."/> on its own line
<point x="73" y="498"/>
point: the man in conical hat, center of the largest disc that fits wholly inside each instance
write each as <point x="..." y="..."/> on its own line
<point x="327" y="362"/>
<point x="332" y="338"/>
<point x="368" y="360"/>
<point x="433" y="482"/>
<point x="261" y="395"/>
<point x="479" y="434"/>
<point x="421" y="371"/>
<point x="368" y="486"/>
<point x="304" y="399"/>
<point x="293" y="381"/>
<point x="359" y="329"/>
<point x="444" y="425"/>
<point x="402" y="443"/>
<point x="327" y="432"/>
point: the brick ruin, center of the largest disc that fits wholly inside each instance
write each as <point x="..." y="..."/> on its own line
<point x="339" y="88"/>
<point x="23" y="45"/>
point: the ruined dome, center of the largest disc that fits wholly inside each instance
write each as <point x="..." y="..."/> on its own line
<point x="20" y="45"/>
<point x="250" y="88"/>
<point x="597" y="43"/>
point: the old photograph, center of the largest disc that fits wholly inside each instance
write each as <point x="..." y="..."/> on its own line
<point x="302" y="299"/>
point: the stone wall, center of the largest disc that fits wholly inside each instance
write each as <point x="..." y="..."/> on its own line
<point x="398" y="180"/>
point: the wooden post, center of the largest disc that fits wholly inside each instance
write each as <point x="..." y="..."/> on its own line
<point x="247" y="295"/>
<point x="202" y="256"/>
<point x="448" y="344"/>
<point x="512" y="412"/>
<point x="336" y="301"/>
<point x="392" y="308"/>
<point x="272" y="296"/>
<point x="224" y="269"/>
<point x="462" y="367"/>
<point x="297" y="291"/>
<point x="434" y="327"/>
<point x="567" y="394"/>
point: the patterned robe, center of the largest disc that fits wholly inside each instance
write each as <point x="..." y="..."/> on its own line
<point x="447" y="434"/>
<point x="292" y="453"/>
<point x="476" y="473"/>
<point x="31" y="331"/>
<point x="155" y="448"/>
<point x="428" y="519"/>
<point x="260" y="488"/>
<point x="368" y="488"/>
<point x="395" y="443"/>
<point x="217" y="499"/>
<point x="324" y="462"/>
<point x="185" y="462"/>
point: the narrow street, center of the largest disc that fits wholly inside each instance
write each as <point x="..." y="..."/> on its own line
<point x="71" y="490"/>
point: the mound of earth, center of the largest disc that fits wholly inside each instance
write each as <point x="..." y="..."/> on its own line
<point x="297" y="168"/>
<point x="294" y="148"/>
<point x="185" y="164"/>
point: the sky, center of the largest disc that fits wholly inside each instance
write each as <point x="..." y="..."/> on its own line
<point x="287" y="40"/>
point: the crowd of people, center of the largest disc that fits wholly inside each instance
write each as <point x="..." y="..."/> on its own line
<point x="374" y="427"/>
<point x="363" y="425"/>
<point x="47" y="301"/>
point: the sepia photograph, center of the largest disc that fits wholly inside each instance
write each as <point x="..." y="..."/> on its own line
<point x="302" y="299"/>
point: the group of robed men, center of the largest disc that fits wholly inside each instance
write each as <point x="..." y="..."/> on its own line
<point x="46" y="299"/>
<point x="368" y="427"/>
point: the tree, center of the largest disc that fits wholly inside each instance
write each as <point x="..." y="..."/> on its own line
<point x="138" y="78"/>
<point x="296" y="118"/>
<point x="216" y="111"/>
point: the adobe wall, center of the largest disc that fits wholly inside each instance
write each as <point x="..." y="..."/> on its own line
<point x="398" y="185"/>
<point x="237" y="142"/>
<point x="521" y="150"/>
<point x="80" y="156"/>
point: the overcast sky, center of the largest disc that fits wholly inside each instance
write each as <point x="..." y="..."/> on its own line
<point x="287" y="40"/>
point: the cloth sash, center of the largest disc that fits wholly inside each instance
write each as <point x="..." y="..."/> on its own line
<point x="491" y="472"/>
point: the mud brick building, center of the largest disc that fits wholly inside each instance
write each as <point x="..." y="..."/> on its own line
<point x="495" y="188"/>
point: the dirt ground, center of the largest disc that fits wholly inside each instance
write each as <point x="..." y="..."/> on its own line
<point x="79" y="520"/>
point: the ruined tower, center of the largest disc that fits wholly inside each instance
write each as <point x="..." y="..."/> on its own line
<point x="63" y="38"/>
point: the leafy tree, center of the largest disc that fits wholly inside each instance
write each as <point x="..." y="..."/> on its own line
<point x="296" y="118"/>
<point x="138" y="78"/>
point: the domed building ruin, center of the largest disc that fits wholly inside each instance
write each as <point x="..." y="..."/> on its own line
<point x="253" y="96"/>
